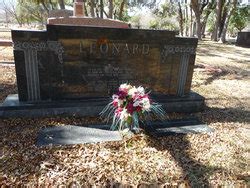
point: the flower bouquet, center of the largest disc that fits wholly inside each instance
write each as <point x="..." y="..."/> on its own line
<point x="130" y="106"/>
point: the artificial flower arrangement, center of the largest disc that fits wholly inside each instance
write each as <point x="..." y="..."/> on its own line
<point x="130" y="106"/>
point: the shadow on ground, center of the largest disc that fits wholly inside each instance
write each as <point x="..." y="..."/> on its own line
<point x="6" y="89"/>
<point x="194" y="173"/>
<point x="236" y="114"/>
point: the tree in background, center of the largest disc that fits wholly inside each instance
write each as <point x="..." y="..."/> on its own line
<point x="10" y="9"/>
<point x="228" y="11"/>
<point x="48" y="4"/>
<point x="218" y="20"/>
<point x="198" y="7"/>
<point x="206" y="13"/>
<point x="32" y="12"/>
<point x="183" y="12"/>
<point x="106" y="8"/>
<point x="240" y="18"/>
<point x="136" y="21"/>
<point x="61" y="4"/>
<point x="180" y="19"/>
<point x="166" y="16"/>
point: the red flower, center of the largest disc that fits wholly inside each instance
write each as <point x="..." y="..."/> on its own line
<point x="115" y="103"/>
<point x="122" y="94"/>
<point x="130" y="108"/>
<point x="138" y="108"/>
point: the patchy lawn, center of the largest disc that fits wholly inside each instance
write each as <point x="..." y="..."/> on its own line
<point x="218" y="158"/>
<point x="5" y="34"/>
<point x="6" y="52"/>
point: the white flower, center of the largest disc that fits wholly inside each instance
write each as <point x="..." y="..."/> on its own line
<point x="114" y="97"/>
<point x="124" y="114"/>
<point x="132" y="91"/>
<point x="120" y="102"/>
<point x="125" y="87"/>
<point x="137" y="103"/>
<point x="145" y="104"/>
<point x="141" y="90"/>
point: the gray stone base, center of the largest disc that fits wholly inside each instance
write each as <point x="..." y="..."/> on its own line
<point x="176" y="126"/>
<point x="70" y="134"/>
<point x="11" y="107"/>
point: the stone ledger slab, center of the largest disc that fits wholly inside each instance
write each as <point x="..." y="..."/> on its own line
<point x="71" y="134"/>
<point x="177" y="126"/>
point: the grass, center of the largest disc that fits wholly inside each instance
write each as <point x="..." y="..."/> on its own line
<point x="202" y="160"/>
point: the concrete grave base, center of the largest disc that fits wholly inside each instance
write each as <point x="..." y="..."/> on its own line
<point x="11" y="107"/>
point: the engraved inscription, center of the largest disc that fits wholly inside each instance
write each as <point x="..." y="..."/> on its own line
<point x="106" y="78"/>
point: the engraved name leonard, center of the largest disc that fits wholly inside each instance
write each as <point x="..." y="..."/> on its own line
<point x="114" y="48"/>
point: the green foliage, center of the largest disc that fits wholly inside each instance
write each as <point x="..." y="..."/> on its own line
<point x="29" y="12"/>
<point x="125" y="16"/>
<point x="154" y="24"/>
<point x="136" y="20"/>
<point x="211" y="21"/>
<point x="239" y="18"/>
<point x="166" y="16"/>
<point x="166" y="10"/>
<point x="163" y="24"/>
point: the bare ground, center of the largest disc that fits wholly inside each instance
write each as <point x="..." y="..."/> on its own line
<point x="204" y="160"/>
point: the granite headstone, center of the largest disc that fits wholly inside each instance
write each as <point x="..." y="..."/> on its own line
<point x="72" y="62"/>
<point x="74" y="70"/>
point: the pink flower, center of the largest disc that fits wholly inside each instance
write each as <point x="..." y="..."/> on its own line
<point x="118" y="111"/>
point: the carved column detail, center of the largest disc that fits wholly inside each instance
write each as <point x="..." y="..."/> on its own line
<point x="183" y="73"/>
<point x="31" y="63"/>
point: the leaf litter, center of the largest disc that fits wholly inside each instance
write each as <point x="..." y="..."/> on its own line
<point x="192" y="160"/>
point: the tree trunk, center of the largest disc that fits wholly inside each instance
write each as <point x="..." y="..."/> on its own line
<point x="92" y="11"/>
<point x="101" y="8"/>
<point x="121" y="10"/>
<point x="229" y="13"/>
<point x="61" y="4"/>
<point x="45" y="7"/>
<point x="210" y="7"/>
<point x="191" y="23"/>
<point x="203" y="24"/>
<point x="51" y="4"/>
<point x="217" y="21"/>
<point x="85" y="9"/>
<point x="111" y="9"/>
<point x="186" y="20"/>
<point x="224" y="15"/>
<point x="7" y="19"/>
<point x="197" y="12"/>
<point x="97" y="12"/>
<point x="198" y="26"/>
<point x="180" y="19"/>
